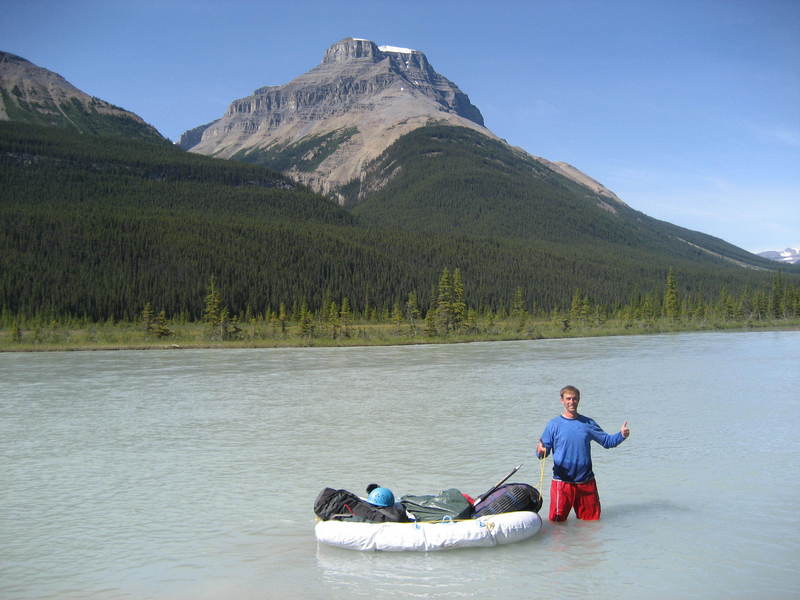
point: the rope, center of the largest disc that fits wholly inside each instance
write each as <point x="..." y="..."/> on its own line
<point x="541" y="471"/>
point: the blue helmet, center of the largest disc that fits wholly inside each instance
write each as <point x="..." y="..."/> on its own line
<point x="381" y="496"/>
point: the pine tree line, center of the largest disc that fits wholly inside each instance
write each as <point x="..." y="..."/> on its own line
<point x="93" y="229"/>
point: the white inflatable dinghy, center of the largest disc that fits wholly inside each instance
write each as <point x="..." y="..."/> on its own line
<point x="490" y="530"/>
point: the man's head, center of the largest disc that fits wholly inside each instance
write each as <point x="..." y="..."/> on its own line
<point x="573" y="389"/>
<point x="570" y="397"/>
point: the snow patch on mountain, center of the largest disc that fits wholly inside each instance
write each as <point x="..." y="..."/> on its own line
<point x="396" y="49"/>
<point x="789" y="255"/>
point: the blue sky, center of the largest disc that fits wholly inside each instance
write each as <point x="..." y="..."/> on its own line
<point x="688" y="110"/>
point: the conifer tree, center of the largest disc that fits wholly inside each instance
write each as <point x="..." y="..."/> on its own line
<point x="346" y="316"/>
<point x="725" y="307"/>
<point x="273" y="321"/>
<point x="471" y="321"/>
<point x="213" y="306"/>
<point x="282" y="318"/>
<point x="220" y="324"/>
<point x="586" y="309"/>
<point x="16" y="333"/>
<point x="397" y="317"/>
<point x="444" y="303"/>
<point x="626" y="316"/>
<point x="324" y="315"/>
<point x="489" y="316"/>
<point x="776" y="298"/>
<point x="699" y="312"/>
<point x="160" y="327"/>
<point x="412" y="312"/>
<point x="430" y="323"/>
<point x="458" y="306"/>
<point x="334" y="319"/>
<point x="232" y="328"/>
<point x="580" y="308"/>
<point x="147" y="317"/>
<point x="306" y="321"/>
<point x="671" y="302"/>
<point x="518" y="312"/>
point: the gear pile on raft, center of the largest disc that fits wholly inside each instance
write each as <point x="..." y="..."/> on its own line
<point x="504" y="514"/>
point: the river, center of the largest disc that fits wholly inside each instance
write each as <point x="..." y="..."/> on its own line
<point x="191" y="474"/>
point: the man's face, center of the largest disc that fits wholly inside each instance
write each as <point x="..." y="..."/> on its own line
<point x="569" y="401"/>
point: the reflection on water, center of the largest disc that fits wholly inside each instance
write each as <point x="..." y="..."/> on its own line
<point x="192" y="474"/>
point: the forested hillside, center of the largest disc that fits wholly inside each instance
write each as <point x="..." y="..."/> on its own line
<point x="452" y="179"/>
<point x="99" y="227"/>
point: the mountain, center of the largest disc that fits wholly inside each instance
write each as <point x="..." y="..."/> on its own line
<point x="789" y="256"/>
<point x="32" y="94"/>
<point x="379" y="130"/>
<point x="323" y="126"/>
<point x="96" y="226"/>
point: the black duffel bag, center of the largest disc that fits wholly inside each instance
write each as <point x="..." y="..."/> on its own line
<point x="341" y="505"/>
<point x="508" y="498"/>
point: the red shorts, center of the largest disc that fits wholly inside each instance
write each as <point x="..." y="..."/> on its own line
<point x="582" y="496"/>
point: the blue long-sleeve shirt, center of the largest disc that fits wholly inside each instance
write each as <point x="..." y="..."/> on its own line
<point x="568" y="439"/>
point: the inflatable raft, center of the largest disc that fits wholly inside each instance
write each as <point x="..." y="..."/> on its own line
<point x="490" y="530"/>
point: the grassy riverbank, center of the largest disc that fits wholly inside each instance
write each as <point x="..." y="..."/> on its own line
<point x="259" y="334"/>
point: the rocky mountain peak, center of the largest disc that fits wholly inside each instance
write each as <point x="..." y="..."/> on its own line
<point x="351" y="49"/>
<point x="325" y="125"/>
<point x="22" y="73"/>
<point x="400" y="60"/>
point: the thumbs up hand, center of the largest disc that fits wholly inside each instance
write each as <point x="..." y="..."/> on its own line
<point x="625" y="430"/>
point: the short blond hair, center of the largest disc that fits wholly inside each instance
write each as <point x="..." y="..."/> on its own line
<point x="571" y="388"/>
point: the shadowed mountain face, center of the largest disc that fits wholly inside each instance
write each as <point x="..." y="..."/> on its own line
<point x="325" y="125"/>
<point x="31" y="94"/>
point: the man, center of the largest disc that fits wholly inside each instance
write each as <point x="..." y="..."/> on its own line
<point x="567" y="437"/>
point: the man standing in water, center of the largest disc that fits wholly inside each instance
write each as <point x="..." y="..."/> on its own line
<point x="567" y="437"/>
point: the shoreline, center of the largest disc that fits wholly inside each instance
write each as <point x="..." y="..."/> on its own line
<point x="294" y="341"/>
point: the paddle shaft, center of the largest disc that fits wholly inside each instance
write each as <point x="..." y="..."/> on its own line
<point x="498" y="484"/>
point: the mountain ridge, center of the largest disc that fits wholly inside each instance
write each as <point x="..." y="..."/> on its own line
<point x="33" y="94"/>
<point x="453" y="180"/>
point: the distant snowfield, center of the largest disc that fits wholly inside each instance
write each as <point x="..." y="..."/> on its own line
<point x="388" y="48"/>
<point x="789" y="255"/>
<point x="395" y="49"/>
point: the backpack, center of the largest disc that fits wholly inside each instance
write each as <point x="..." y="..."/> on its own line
<point x="508" y="498"/>
<point x="341" y="505"/>
<point x="449" y="503"/>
